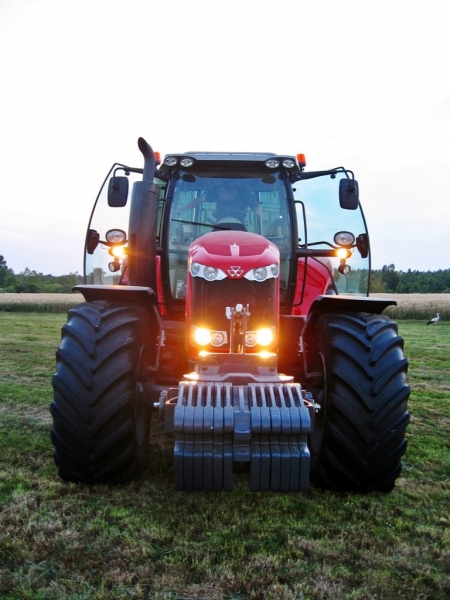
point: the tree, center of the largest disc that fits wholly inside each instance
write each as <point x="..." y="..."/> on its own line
<point x="3" y="270"/>
<point x="390" y="277"/>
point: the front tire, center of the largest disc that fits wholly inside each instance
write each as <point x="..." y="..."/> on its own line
<point x="361" y="432"/>
<point x="101" y="420"/>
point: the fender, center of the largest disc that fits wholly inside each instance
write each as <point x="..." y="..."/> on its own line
<point x="334" y="305"/>
<point x="133" y="294"/>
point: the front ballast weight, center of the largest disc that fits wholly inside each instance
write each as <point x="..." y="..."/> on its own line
<point x="221" y="424"/>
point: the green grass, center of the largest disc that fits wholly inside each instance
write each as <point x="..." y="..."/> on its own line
<point x="144" y="540"/>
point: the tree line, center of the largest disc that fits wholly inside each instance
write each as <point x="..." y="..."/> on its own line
<point x="387" y="279"/>
<point x="29" y="281"/>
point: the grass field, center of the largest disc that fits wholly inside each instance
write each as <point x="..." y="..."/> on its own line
<point x="144" y="540"/>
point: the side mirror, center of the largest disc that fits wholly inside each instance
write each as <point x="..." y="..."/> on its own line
<point x="362" y="243"/>
<point x="92" y="240"/>
<point x="348" y="194"/>
<point x="118" y="192"/>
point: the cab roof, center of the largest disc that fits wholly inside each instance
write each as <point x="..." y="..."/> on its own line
<point x="255" y="159"/>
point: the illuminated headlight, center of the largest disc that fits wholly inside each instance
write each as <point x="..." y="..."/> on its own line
<point x="343" y="253"/>
<point x="264" y="337"/>
<point x="117" y="251"/>
<point x="344" y="238"/>
<point x="272" y="163"/>
<point x="205" y="337"/>
<point x="263" y="273"/>
<point x="116" y="236"/>
<point x="208" y="273"/>
<point x="186" y="162"/>
<point x="170" y="161"/>
<point x="202" y="336"/>
<point x="288" y="163"/>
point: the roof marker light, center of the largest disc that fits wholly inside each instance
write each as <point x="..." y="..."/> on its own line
<point x="301" y="160"/>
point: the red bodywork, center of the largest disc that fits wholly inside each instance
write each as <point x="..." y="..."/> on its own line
<point x="235" y="253"/>
<point x="227" y="249"/>
<point x="318" y="282"/>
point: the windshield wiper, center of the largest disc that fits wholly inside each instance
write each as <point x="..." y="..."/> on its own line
<point x="212" y="226"/>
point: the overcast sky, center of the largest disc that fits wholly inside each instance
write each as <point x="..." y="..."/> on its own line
<point x="357" y="83"/>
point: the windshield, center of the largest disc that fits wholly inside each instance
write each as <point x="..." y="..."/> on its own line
<point x="318" y="206"/>
<point x="205" y="202"/>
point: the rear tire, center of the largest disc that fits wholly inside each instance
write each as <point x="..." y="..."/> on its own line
<point x="101" y="421"/>
<point x="360" y="435"/>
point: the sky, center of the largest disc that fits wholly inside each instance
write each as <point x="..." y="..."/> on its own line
<point x="359" y="83"/>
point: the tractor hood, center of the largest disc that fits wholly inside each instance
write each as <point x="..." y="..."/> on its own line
<point x="235" y="253"/>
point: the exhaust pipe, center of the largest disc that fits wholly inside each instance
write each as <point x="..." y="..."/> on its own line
<point x="149" y="160"/>
<point x="142" y="224"/>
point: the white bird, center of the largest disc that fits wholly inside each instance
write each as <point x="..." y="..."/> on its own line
<point x="435" y="319"/>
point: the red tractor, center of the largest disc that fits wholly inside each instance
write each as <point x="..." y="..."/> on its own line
<point x="230" y="292"/>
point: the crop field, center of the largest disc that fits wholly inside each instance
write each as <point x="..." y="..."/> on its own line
<point x="417" y="306"/>
<point x="143" y="540"/>
<point x="409" y="306"/>
<point x="48" y="303"/>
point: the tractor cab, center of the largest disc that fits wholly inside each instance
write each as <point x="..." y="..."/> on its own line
<point x="314" y="220"/>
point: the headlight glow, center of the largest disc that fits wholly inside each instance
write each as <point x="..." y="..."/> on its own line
<point x="264" y="337"/>
<point x="202" y="336"/>
<point x="343" y="253"/>
<point x="186" y="162"/>
<point x="118" y="251"/>
<point x="266" y="354"/>
<point x="205" y="337"/>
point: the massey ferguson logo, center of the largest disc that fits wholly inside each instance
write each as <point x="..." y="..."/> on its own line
<point x="235" y="271"/>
